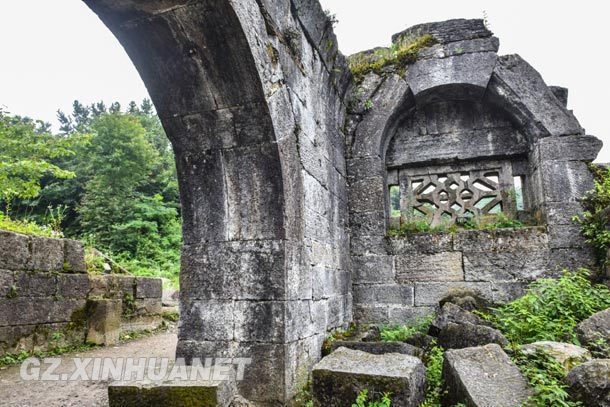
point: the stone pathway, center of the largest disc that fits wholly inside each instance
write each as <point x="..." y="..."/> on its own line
<point x="15" y="392"/>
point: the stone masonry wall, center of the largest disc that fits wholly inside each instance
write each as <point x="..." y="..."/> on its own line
<point x="44" y="288"/>
<point x="406" y="277"/>
<point x="425" y="118"/>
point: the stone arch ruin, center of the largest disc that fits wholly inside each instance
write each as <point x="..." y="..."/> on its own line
<point x="284" y="173"/>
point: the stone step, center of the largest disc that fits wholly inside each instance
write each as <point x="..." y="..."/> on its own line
<point x="172" y="393"/>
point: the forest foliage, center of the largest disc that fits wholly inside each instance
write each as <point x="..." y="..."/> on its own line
<point x="107" y="177"/>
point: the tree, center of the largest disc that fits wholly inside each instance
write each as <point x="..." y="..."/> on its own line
<point x="26" y="154"/>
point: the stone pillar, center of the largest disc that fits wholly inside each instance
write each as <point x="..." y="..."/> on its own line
<point x="560" y="178"/>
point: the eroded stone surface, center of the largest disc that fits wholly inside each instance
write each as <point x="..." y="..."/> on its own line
<point x="590" y="383"/>
<point x="483" y="377"/>
<point x="340" y="376"/>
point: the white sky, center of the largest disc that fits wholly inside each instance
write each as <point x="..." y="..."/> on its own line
<point x="53" y="52"/>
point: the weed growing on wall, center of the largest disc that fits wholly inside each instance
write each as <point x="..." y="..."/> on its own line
<point x="403" y="52"/>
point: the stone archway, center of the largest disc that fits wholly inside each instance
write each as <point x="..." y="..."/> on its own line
<point x="250" y="94"/>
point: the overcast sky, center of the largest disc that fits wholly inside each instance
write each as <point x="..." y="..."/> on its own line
<point x="56" y="51"/>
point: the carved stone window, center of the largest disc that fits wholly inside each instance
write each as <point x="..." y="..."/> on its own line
<point x="453" y="194"/>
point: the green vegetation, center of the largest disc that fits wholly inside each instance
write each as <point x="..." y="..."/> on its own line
<point x="363" y="400"/>
<point x="401" y="333"/>
<point x="108" y="179"/>
<point x="551" y="309"/>
<point x="401" y="53"/>
<point x="26" y="227"/>
<point x="422" y="225"/>
<point x="595" y="221"/>
<point x="338" y="335"/>
<point x="545" y="376"/>
<point x="17" y="358"/>
<point x="434" y="377"/>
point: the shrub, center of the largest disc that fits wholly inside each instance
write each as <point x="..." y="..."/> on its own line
<point x="25" y="227"/>
<point x="551" y="309"/>
<point x="594" y="221"/>
<point x="434" y="377"/>
<point x="545" y="376"/>
<point x="401" y="333"/>
<point x="363" y="400"/>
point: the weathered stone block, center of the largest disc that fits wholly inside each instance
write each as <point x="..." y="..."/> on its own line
<point x="47" y="254"/>
<point x="430" y="294"/>
<point x="445" y="266"/>
<point x="483" y="377"/>
<point x="148" y="287"/>
<point x="7" y="284"/>
<point x="74" y="257"/>
<point x="29" y="284"/>
<point x="259" y="321"/>
<point x="421" y="243"/>
<point x="103" y="321"/>
<point x="176" y="393"/>
<point x="368" y="245"/>
<point x="504" y="292"/>
<point x="566" y="354"/>
<point x="207" y="320"/>
<point x="594" y="329"/>
<point x="467" y="335"/>
<point x="520" y="89"/>
<point x="340" y="376"/>
<point x="73" y="286"/>
<point x="367" y="195"/>
<point x="407" y="314"/>
<point x="464" y="75"/>
<point x="14" y="251"/>
<point x="373" y="314"/>
<point x="501" y="240"/>
<point x="379" y="348"/>
<point x="451" y="313"/>
<point x="566" y="236"/>
<point x="568" y="148"/>
<point x="373" y="269"/>
<point x="234" y="270"/>
<point x="565" y="181"/>
<point x="383" y="294"/>
<point x="589" y="383"/>
<point x="506" y="266"/>
<point x="26" y="311"/>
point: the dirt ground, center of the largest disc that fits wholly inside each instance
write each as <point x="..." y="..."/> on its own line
<point x="15" y="392"/>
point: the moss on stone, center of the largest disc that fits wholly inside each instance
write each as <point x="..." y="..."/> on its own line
<point x="401" y="53"/>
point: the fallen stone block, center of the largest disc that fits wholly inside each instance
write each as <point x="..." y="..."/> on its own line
<point x="594" y="332"/>
<point x="483" y="377"/>
<point x="379" y="348"/>
<point x="103" y="321"/>
<point x="455" y="314"/>
<point x="567" y="354"/>
<point x="458" y="336"/>
<point x="341" y="376"/>
<point x="172" y="393"/>
<point x="590" y="383"/>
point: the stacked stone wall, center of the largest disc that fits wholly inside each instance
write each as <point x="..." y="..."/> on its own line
<point x="44" y="289"/>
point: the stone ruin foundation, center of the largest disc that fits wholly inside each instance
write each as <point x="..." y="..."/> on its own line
<point x="287" y="165"/>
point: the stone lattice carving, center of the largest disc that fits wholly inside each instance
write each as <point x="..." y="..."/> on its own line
<point x="451" y="194"/>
